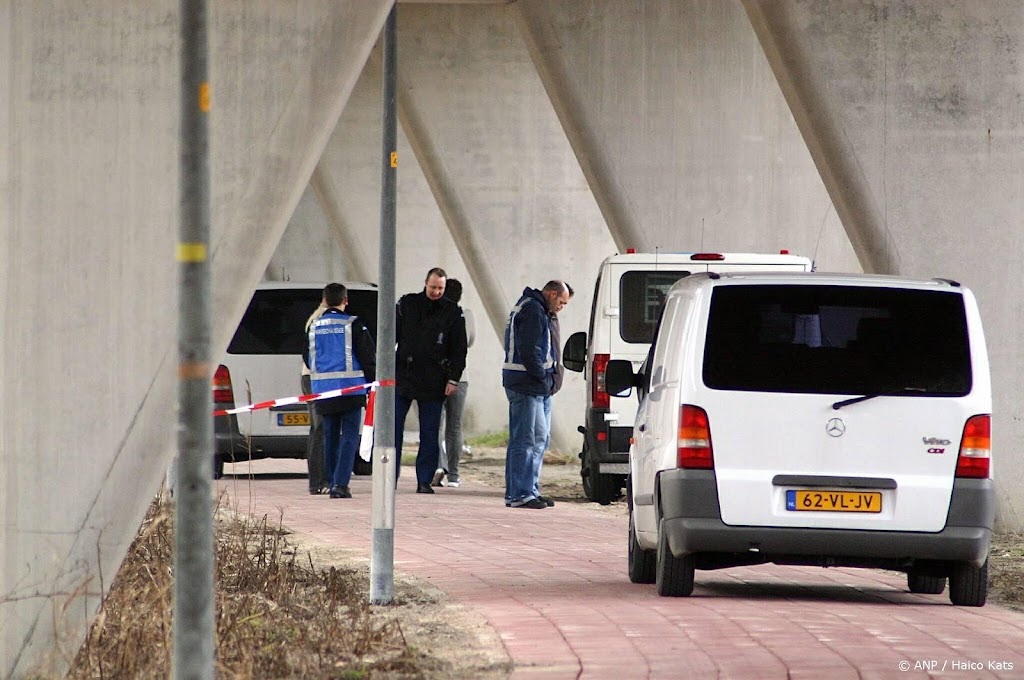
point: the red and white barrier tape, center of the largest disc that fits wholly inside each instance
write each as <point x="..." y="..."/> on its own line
<point x="308" y="397"/>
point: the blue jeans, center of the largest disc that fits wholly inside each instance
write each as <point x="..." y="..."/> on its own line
<point x="341" y="439"/>
<point x="430" y="423"/>
<point x="527" y="437"/>
<point x="547" y="444"/>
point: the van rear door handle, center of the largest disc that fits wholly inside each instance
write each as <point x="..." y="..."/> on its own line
<point x="642" y="427"/>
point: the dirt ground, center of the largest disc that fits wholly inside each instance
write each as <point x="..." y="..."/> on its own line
<point x="468" y="648"/>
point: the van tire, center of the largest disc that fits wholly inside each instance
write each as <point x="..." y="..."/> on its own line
<point x="641" y="563"/>
<point x="673" y="575"/>
<point x="925" y="584"/>
<point x="218" y="465"/>
<point x="362" y="467"/>
<point x="968" y="585"/>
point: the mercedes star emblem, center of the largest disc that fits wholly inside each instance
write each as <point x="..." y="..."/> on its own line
<point x="835" y="427"/>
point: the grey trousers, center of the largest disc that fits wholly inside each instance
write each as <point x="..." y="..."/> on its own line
<point x="451" y="416"/>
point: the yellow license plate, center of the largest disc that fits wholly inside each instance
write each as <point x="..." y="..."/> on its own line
<point x="293" y="419"/>
<point x="834" y="501"/>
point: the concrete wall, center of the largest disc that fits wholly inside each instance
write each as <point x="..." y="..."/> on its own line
<point x="88" y="222"/>
<point x="913" y="114"/>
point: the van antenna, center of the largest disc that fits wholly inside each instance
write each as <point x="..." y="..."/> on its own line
<point x="814" y="258"/>
<point x="702" y="234"/>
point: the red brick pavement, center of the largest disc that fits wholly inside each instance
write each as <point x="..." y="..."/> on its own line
<point x="553" y="585"/>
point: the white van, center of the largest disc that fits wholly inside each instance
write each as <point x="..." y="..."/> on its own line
<point x="628" y="296"/>
<point x="264" y="362"/>
<point x="813" y="419"/>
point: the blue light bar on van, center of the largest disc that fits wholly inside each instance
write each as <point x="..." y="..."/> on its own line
<point x="707" y="256"/>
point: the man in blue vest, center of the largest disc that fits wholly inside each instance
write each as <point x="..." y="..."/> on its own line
<point x="529" y="377"/>
<point x="340" y="353"/>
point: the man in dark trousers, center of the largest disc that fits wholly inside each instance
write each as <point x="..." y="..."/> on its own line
<point x="431" y="334"/>
<point x="340" y="353"/>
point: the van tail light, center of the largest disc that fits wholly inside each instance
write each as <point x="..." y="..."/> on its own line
<point x="599" y="390"/>
<point x="975" y="448"/>
<point x="707" y="257"/>
<point x="694" y="450"/>
<point x="222" y="392"/>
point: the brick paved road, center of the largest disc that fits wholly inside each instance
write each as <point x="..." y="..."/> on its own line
<point x="553" y="584"/>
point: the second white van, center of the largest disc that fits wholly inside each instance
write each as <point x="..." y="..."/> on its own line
<point x="628" y="295"/>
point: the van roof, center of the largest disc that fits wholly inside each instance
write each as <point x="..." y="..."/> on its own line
<point x="814" y="278"/>
<point x="702" y="257"/>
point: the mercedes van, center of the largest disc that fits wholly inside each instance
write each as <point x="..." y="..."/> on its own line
<point x="628" y="296"/>
<point x="264" y="362"/>
<point x="813" y="419"/>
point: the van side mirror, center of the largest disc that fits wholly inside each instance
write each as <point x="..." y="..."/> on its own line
<point x="619" y="378"/>
<point x="574" y="354"/>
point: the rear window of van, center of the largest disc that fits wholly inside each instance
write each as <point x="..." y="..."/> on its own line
<point x="837" y="340"/>
<point x="641" y="297"/>
<point x="275" y="320"/>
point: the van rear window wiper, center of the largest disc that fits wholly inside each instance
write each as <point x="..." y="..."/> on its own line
<point x="888" y="393"/>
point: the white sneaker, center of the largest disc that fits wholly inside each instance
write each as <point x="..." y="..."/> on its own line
<point x="454" y="485"/>
<point x="438" y="478"/>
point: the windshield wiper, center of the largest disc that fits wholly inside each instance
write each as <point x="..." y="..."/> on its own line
<point x="888" y="393"/>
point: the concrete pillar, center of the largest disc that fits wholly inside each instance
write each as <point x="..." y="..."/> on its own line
<point x="912" y="113"/>
<point x="680" y="127"/>
<point x="88" y="223"/>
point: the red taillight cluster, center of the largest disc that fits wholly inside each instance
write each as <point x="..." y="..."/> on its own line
<point x="694" y="450"/>
<point x="222" y="392"/>
<point x="975" y="448"/>
<point x="599" y="390"/>
<point x="707" y="257"/>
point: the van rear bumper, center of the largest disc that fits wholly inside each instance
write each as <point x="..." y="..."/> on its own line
<point x="688" y="500"/>
<point x="232" y="445"/>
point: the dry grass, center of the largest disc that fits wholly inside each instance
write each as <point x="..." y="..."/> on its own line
<point x="277" y="615"/>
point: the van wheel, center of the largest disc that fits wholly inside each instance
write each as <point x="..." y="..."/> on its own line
<point x="673" y="575"/>
<point x="641" y="562"/>
<point x="218" y="465"/>
<point x="925" y="584"/>
<point x="968" y="585"/>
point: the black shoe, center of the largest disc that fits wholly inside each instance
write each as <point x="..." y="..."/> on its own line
<point x="548" y="501"/>
<point x="424" y="488"/>
<point x="533" y="504"/>
<point x="341" y="492"/>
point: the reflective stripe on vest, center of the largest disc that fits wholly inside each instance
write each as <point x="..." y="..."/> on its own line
<point x="510" y="353"/>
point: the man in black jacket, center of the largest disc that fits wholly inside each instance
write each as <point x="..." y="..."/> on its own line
<point x="431" y="334"/>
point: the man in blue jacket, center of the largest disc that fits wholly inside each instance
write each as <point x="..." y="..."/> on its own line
<point x="528" y="375"/>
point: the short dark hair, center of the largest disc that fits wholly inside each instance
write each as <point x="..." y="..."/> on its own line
<point x="436" y="271"/>
<point x="453" y="290"/>
<point x="335" y="294"/>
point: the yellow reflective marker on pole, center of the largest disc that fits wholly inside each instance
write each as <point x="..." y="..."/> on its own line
<point x="394" y="159"/>
<point x="204" y="97"/>
<point x="191" y="252"/>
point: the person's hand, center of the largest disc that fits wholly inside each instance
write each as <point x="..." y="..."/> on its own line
<point x="450" y="389"/>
